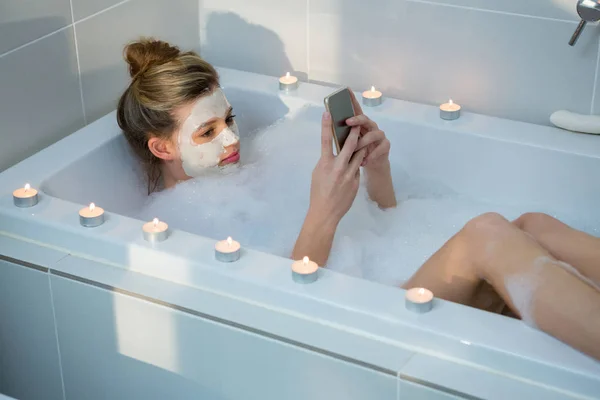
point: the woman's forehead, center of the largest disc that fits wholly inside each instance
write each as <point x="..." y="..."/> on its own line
<point x="206" y="107"/>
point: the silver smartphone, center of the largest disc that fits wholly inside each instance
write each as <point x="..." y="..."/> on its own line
<point x="339" y="105"/>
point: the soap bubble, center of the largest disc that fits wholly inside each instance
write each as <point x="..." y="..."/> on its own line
<point x="263" y="203"/>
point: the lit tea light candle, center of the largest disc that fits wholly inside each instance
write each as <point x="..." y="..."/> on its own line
<point x="305" y="271"/>
<point x="372" y="98"/>
<point x="91" y="216"/>
<point x="227" y="250"/>
<point x="288" y="82"/>
<point x="155" y="231"/>
<point x="419" y="300"/>
<point x="450" y="110"/>
<point x="25" y="196"/>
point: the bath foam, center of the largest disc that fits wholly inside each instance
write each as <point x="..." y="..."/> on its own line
<point x="262" y="204"/>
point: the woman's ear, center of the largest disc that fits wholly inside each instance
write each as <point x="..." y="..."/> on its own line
<point x="162" y="148"/>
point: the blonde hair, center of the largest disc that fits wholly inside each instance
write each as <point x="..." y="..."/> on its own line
<point x="162" y="79"/>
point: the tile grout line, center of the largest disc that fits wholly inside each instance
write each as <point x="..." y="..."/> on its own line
<point x="594" y="88"/>
<point x="60" y="367"/>
<point x="102" y="11"/>
<point x="35" y="41"/>
<point x="78" y="64"/>
<point x="492" y="11"/>
<point x="307" y="40"/>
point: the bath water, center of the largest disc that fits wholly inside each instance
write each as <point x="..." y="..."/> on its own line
<point x="263" y="202"/>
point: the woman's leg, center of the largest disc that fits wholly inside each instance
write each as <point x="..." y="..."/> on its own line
<point x="535" y="286"/>
<point x="574" y="247"/>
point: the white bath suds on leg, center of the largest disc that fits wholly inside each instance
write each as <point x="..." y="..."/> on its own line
<point x="578" y="274"/>
<point x="521" y="288"/>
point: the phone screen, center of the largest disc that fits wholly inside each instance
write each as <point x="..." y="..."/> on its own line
<point x="339" y="105"/>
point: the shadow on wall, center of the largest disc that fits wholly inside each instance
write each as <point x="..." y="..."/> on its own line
<point x="233" y="42"/>
<point x="39" y="90"/>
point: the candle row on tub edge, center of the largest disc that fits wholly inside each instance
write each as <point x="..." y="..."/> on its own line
<point x="418" y="300"/>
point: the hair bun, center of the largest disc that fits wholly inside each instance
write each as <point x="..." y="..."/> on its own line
<point x="141" y="55"/>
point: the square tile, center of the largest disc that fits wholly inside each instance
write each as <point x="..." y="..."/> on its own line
<point x="85" y="8"/>
<point x="266" y="36"/>
<point x="41" y="99"/>
<point x="29" y="361"/>
<point x="26" y="20"/>
<point x="103" y="72"/>
<point x="428" y="53"/>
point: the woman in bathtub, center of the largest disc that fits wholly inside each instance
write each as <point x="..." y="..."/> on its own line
<point x="178" y="121"/>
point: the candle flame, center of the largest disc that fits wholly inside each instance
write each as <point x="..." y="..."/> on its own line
<point x="155" y="221"/>
<point x="305" y="260"/>
<point x="450" y="101"/>
<point x="92" y="206"/>
<point x="421" y="291"/>
<point x="229" y="241"/>
<point x="27" y="186"/>
<point x="287" y="74"/>
<point x="372" y="88"/>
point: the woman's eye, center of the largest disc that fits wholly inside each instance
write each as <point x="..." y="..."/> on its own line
<point x="207" y="134"/>
<point x="230" y="119"/>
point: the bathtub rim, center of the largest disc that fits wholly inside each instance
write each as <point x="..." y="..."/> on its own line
<point x="55" y="214"/>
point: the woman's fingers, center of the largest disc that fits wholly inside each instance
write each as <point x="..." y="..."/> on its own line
<point x="326" y="136"/>
<point x="357" y="108"/>
<point x="382" y="149"/>
<point x="355" y="163"/>
<point x="349" y="147"/>
<point x="370" y="138"/>
<point x="363" y="121"/>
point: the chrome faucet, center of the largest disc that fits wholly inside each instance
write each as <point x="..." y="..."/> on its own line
<point x="589" y="11"/>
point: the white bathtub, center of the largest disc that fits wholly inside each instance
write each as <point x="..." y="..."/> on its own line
<point x="450" y="351"/>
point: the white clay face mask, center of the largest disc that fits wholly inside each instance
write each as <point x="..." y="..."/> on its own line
<point x="200" y="158"/>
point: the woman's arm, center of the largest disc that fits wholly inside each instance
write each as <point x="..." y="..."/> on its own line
<point x="334" y="185"/>
<point x="315" y="239"/>
<point x="380" y="186"/>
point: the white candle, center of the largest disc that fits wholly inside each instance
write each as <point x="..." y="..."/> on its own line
<point x="419" y="300"/>
<point x="305" y="271"/>
<point x="25" y="196"/>
<point x="372" y="98"/>
<point x="91" y="216"/>
<point x="450" y="110"/>
<point x="288" y="82"/>
<point x="227" y="250"/>
<point x="155" y="231"/>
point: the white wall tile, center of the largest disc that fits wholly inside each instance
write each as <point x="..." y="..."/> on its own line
<point x="25" y="20"/>
<point x="560" y="9"/>
<point x="29" y="361"/>
<point x="40" y="99"/>
<point x="492" y="63"/>
<point x="263" y="36"/>
<point x="101" y="40"/>
<point x="85" y="8"/>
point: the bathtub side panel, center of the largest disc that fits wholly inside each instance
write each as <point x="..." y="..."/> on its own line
<point x="117" y="346"/>
<point x="29" y="360"/>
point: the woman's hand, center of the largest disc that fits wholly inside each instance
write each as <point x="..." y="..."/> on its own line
<point x="335" y="179"/>
<point x="376" y="162"/>
<point x="333" y="188"/>
<point x="372" y="139"/>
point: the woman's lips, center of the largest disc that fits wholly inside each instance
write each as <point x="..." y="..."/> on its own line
<point x="232" y="158"/>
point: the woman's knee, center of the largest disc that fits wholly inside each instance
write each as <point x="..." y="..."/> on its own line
<point x="534" y="222"/>
<point x="486" y="226"/>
